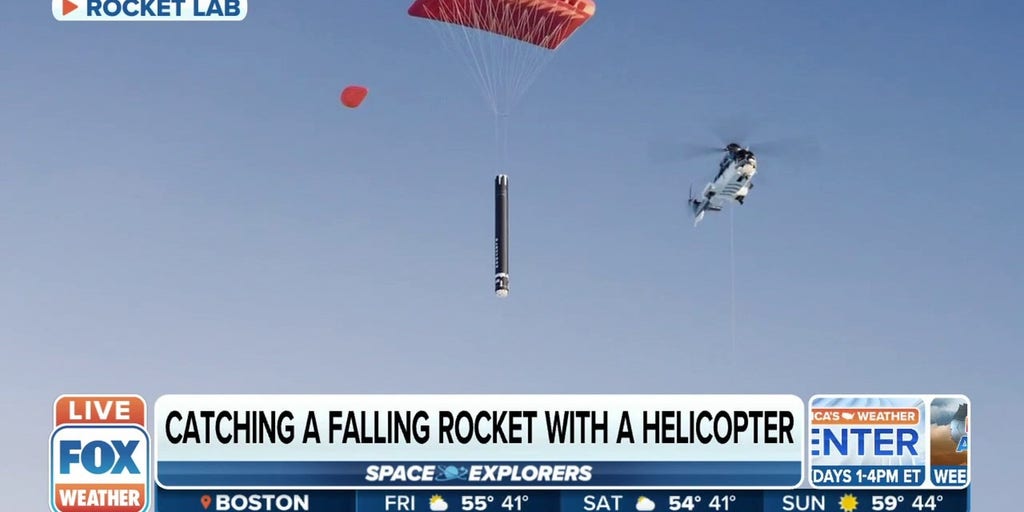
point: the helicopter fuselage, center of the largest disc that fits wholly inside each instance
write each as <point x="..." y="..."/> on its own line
<point x="732" y="183"/>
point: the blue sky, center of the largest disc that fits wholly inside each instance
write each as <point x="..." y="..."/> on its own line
<point x="185" y="207"/>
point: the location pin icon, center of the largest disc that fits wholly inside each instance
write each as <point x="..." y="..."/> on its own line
<point x="205" y="500"/>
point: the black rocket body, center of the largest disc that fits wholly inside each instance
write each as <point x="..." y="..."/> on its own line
<point x="501" y="235"/>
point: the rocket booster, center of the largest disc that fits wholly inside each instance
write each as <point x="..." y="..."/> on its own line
<point x="501" y="235"/>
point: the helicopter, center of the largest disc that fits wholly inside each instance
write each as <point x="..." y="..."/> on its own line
<point x="734" y="178"/>
<point x="732" y="183"/>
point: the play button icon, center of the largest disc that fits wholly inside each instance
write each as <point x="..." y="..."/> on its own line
<point x="67" y="10"/>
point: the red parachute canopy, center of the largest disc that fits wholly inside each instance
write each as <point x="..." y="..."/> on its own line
<point x="544" y="23"/>
<point x="353" y="95"/>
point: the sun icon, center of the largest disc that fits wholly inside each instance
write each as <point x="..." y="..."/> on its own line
<point x="435" y="498"/>
<point x="848" y="503"/>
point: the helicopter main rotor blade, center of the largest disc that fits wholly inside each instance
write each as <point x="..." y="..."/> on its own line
<point x="787" y="155"/>
<point x="674" y="152"/>
<point x="734" y="129"/>
<point x="801" y="147"/>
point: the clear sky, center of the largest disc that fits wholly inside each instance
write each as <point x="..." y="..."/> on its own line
<point x="185" y="207"/>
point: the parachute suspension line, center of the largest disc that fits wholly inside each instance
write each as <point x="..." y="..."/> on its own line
<point x="458" y="40"/>
<point x="526" y="61"/>
<point x="505" y="68"/>
<point x="501" y="138"/>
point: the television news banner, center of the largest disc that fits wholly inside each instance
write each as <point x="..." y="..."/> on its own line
<point x="510" y="453"/>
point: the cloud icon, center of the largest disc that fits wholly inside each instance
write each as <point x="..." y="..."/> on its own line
<point x="644" y="504"/>
<point x="438" y="504"/>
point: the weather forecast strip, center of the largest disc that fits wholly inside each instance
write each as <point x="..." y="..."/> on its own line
<point x="889" y="441"/>
<point x="831" y="500"/>
<point x="484" y="441"/>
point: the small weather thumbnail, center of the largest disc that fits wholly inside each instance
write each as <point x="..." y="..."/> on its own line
<point x="848" y="503"/>
<point x="438" y="504"/>
<point x="644" y="504"/>
<point x="949" y="432"/>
